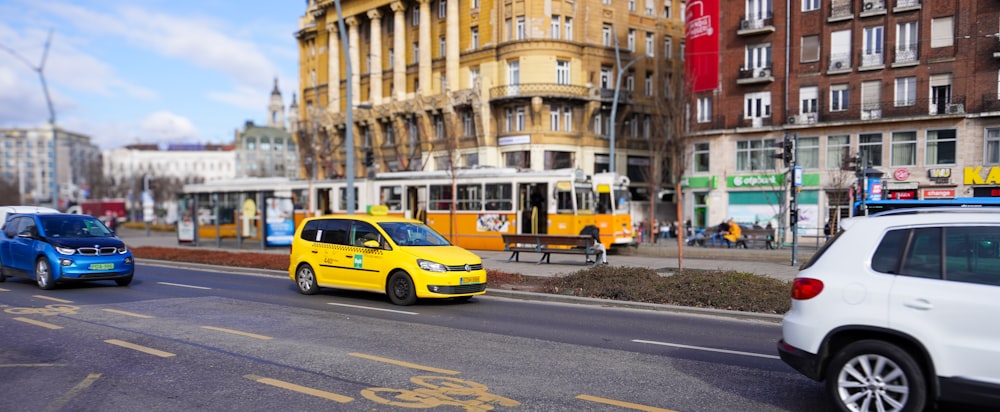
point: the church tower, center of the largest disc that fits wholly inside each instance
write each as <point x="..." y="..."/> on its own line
<point x="293" y="116"/>
<point x="276" y="109"/>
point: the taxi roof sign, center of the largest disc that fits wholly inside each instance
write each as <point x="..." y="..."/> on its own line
<point x="378" y="210"/>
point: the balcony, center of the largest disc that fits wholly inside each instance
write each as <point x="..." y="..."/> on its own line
<point x="872" y="60"/>
<point x="906" y="55"/>
<point x="759" y="25"/>
<point x="608" y="95"/>
<point x="872" y="8"/>
<point x="871" y="111"/>
<point x="529" y="90"/>
<point x="841" y="10"/>
<point x="804" y="118"/>
<point x="906" y="5"/>
<point x="755" y="75"/>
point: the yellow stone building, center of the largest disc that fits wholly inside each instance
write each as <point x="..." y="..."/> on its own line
<point x="518" y="83"/>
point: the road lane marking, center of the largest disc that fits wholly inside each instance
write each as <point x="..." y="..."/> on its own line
<point x="371" y="308"/>
<point x="701" y="348"/>
<point x="122" y="312"/>
<point x="39" y="323"/>
<point x="140" y="348"/>
<point x="4" y="290"/>
<point x="52" y="299"/>
<point x="236" y="332"/>
<point x="300" y="389"/>
<point x="629" y="405"/>
<point x="181" y="285"/>
<point x="58" y="404"/>
<point x="31" y="365"/>
<point x="404" y="364"/>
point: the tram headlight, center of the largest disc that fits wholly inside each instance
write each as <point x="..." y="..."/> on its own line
<point x="431" y="266"/>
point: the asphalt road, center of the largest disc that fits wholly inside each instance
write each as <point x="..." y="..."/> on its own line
<point x="184" y="339"/>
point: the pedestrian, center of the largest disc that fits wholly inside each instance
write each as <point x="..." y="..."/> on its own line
<point x="599" y="249"/>
<point x="734" y="233"/>
<point x="656" y="230"/>
<point x="770" y="236"/>
<point x="828" y="228"/>
<point x="688" y="229"/>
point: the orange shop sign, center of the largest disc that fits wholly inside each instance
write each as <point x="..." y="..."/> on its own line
<point x="975" y="175"/>
<point x="937" y="194"/>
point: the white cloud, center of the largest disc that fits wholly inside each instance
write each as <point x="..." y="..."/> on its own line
<point x="164" y="126"/>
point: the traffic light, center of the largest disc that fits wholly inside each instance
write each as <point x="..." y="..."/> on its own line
<point x="793" y="217"/>
<point x="787" y="147"/>
<point x="369" y="157"/>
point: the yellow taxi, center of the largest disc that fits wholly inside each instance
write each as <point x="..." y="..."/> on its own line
<point x="402" y="258"/>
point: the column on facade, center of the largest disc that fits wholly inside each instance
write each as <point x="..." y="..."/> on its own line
<point x="352" y="38"/>
<point x="375" y="57"/>
<point x="451" y="46"/>
<point x="399" y="45"/>
<point x="333" y="80"/>
<point x="424" y="60"/>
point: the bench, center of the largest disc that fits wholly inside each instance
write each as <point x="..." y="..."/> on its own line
<point x="759" y="237"/>
<point x="547" y="245"/>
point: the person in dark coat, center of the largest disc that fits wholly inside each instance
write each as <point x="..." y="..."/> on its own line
<point x="599" y="249"/>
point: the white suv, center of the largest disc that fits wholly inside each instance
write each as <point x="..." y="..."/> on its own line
<point x="899" y="311"/>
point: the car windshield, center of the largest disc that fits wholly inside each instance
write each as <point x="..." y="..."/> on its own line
<point x="73" y="226"/>
<point x="413" y="234"/>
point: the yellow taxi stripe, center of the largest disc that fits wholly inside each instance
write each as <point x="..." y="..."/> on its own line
<point x="52" y="299"/>
<point x="300" y="389"/>
<point x="140" y="348"/>
<point x="405" y="364"/>
<point x="236" y="332"/>
<point x="39" y="323"/>
<point x="122" y="312"/>
<point x="629" y="405"/>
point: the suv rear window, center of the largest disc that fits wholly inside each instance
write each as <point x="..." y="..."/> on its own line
<point x="968" y="254"/>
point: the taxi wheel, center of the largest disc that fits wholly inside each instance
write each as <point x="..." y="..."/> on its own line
<point x="400" y="289"/>
<point x="305" y="278"/>
<point x="43" y="275"/>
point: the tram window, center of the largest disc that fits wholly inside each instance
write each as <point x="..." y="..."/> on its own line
<point x="564" y="201"/>
<point x="499" y="196"/>
<point x="440" y="197"/>
<point x="392" y="197"/>
<point x="469" y="197"/>
<point x="585" y="200"/>
<point x="343" y="198"/>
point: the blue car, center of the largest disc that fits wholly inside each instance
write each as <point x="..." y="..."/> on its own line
<point x="60" y="248"/>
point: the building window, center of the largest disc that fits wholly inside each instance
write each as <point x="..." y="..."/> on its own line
<point x="838" y="149"/>
<point x="668" y="45"/>
<point x="992" y="156"/>
<point x="475" y="4"/>
<point x="568" y="27"/>
<point x="568" y="118"/>
<point x="416" y="53"/>
<point x="519" y="159"/>
<point x="871" y="145"/>
<point x="509" y="119"/>
<point x="631" y="5"/>
<point x="519" y="34"/>
<point x="942" y="32"/>
<point x="757" y="105"/>
<point x="630" y="81"/>
<point x="649" y="7"/>
<point x="646" y="127"/>
<point x="906" y="91"/>
<point x="807" y="152"/>
<point x="558" y="160"/>
<point x="631" y="40"/>
<point x="471" y="160"/>
<point x="754" y="155"/>
<point x="810" y="5"/>
<point x="473" y="77"/>
<point x="439" y="126"/>
<point x="808" y="100"/>
<point x="704" y="109"/>
<point x="556" y="30"/>
<point x="906" y="42"/>
<point x="810" y="49"/>
<point x="415" y="17"/>
<point x="666" y="9"/>
<point x="467" y="124"/>
<point x="649" y="83"/>
<point x="554" y="118"/>
<point x="390" y="133"/>
<point x="941" y="146"/>
<point x="599" y="124"/>
<point x="391" y="58"/>
<point x="441" y="46"/>
<point x="701" y="157"/>
<point x="475" y="37"/>
<point x="606" y="34"/>
<point x="519" y="119"/>
<point x="442" y="9"/>
<point x="649" y="45"/>
<point x="562" y="72"/>
<point x="872" y="46"/>
<point x="903" y="150"/>
<point x="838" y="98"/>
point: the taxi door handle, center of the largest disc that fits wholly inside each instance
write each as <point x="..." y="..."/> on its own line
<point x="315" y="251"/>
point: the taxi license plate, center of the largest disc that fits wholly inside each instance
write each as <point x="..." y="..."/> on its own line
<point x="101" y="266"/>
<point x="469" y="280"/>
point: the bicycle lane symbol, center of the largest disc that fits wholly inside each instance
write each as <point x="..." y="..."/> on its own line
<point x="48" y="310"/>
<point x="440" y="391"/>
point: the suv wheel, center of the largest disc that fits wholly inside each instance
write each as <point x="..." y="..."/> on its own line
<point x="872" y="375"/>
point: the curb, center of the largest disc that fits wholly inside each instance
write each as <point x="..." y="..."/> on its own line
<point x="509" y="294"/>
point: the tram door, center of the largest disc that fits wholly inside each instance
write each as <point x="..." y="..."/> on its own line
<point x="323" y="202"/>
<point x="532" y="205"/>
<point x="416" y="203"/>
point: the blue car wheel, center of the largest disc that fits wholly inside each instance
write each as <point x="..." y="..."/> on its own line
<point x="43" y="275"/>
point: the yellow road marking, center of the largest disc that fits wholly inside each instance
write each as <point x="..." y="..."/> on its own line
<point x="140" y="348"/>
<point x="53" y="299"/>
<point x="405" y="364"/>
<point x="630" y="405"/>
<point x="63" y="400"/>
<point x="300" y="389"/>
<point x="122" y="312"/>
<point x="236" y="332"/>
<point x="39" y="323"/>
<point x="30" y="365"/>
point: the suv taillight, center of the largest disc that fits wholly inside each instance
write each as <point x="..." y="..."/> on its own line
<point x="806" y="288"/>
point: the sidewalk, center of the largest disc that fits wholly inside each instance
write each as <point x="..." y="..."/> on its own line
<point x="659" y="256"/>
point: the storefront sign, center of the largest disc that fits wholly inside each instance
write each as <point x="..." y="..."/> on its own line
<point x="937" y="193"/>
<point x="979" y="176"/>
<point x="509" y="140"/>
<point x="901" y="174"/>
<point x="939" y="173"/>
<point x="986" y="191"/>
<point x="874" y="189"/>
<point x="699" y="182"/>
<point x="757" y="181"/>
<point x="903" y="195"/>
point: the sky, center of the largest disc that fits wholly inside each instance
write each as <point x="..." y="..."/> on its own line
<point x="147" y="71"/>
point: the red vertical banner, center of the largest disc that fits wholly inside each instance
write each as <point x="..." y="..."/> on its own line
<point x="701" y="48"/>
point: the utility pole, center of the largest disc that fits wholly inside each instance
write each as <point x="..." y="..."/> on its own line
<point x="789" y="153"/>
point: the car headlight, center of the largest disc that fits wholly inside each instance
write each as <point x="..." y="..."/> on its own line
<point x="431" y="266"/>
<point x="122" y="250"/>
<point x="65" y="250"/>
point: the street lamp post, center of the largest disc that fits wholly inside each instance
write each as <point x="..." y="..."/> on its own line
<point x="614" y="103"/>
<point x="349" y="144"/>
